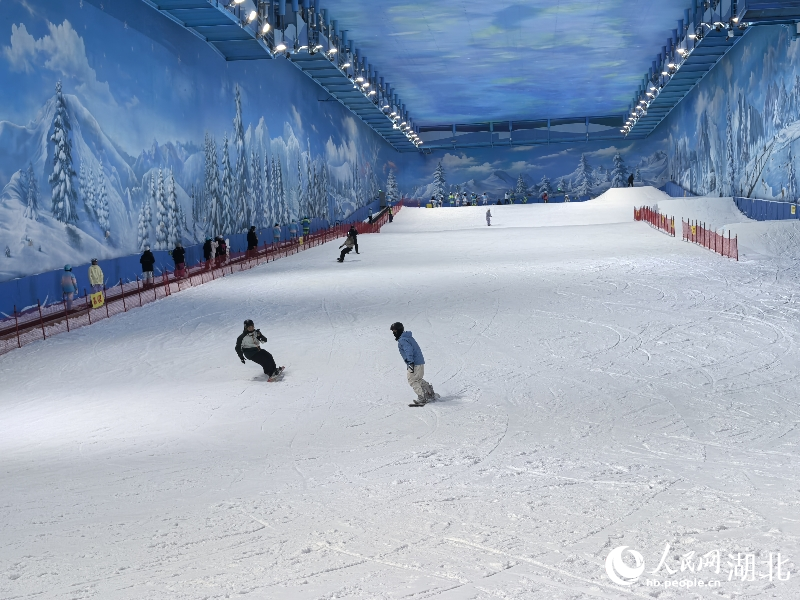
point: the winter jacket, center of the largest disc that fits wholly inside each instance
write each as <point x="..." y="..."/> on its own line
<point x="249" y="340"/>
<point x="276" y="233"/>
<point x="349" y="242"/>
<point x="293" y="228"/>
<point x="95" y="275"/>
<point x="409" y="349"/>
<point x="353" y="233"/>
<point x="306" y="225"/>
<point x="252" y="240"/>
<point x="222" y="248"/>
<point x="214" y="246"/>
<point x="147" y="260"/>
<point x="208" y="251"/>
<point x="178" y="255"/>
<point x="69" y="284"/>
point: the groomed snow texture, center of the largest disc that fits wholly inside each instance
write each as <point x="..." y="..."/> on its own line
<point x="602" y="385"/>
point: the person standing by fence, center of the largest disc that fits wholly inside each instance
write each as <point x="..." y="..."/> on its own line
<point x="179" y="257"/>
<point x="69" y="285"/>
<point x="306" y="228"/>
<point x="147" y="260"/>
<point x="276" y="234"/>
<point x="252" y="241"/>
<point x="293" y="230"/>
<point x="95" y="277"/>
<point x="208" y="252"/>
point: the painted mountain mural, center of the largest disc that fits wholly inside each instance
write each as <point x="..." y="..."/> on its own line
<point x="79" y="181"/>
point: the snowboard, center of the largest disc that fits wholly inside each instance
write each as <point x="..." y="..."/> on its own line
<point x="278" y="376"/>
<point x="434" y="399"/>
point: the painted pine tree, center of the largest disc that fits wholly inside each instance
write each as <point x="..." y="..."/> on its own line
<point x="791" y="178"/>
<point x="240" y="213"/>
<point x="730" y="154"/>
<point x="173" y="212"/>
<point x="101" y="203"/>
<point x="267" y="191"/>
<point x="619" y="175"/>
<point x="162" y="219"/>
<point x="439" y="182"/>
<point x="255" y="193"/>
<point x="32" y="196"/>
<point x="638" y="175"/>
<point x="215" y="218"/>
<point x="226" y="203"/>
<point x="64" y="195"/>
<point x="563" y="185"/>
<point x="392" y="192"/>
<point x="143" y="229"/>
<point x="282" y="200"/>
<point x="521" y="188"/>
<point x="583" y="179"/>
<point x="545" y="186"/>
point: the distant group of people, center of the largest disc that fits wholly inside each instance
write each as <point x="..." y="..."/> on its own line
<point x="69" y="284"/>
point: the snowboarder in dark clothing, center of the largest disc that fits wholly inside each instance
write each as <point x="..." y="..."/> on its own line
<point x="147" y="260"/>
<point x="179" y="256"/>
<point x="248" y="346"/>
<point x="353" y="233"/>
<point x="630" y="180"/>
<point x="252" y="240"/>
<point x="348" y="246"/>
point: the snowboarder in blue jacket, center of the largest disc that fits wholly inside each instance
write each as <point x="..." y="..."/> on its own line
<point x="415" y="363"/>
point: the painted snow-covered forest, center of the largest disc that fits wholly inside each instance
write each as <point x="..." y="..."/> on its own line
<point x="737" y="133"/>
<point x="527" y="173"/>
<point x="71" y="189"/>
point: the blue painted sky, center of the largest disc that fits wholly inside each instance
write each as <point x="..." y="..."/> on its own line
<point x="466" y="61"/>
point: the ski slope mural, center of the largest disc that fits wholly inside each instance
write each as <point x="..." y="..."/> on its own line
<point x="111" y="140"/>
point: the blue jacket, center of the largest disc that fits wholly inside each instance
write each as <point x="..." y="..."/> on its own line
<point x="68" y="283"/>
<point x="409" y="349"/>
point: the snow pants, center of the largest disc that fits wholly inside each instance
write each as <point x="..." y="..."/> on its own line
<point x="344" y="251"/>
<point x="489" y="221"/>
<point x="97" y="287"/>
<point x="416" y="380"/>
<point x="148" y="277"/>
<point x="261" y="357"/>
<point x="68" y="299"/>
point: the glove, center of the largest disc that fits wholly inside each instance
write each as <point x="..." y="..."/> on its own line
<point x="411" y="367"/>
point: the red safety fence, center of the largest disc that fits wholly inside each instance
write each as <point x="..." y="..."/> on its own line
<point x="699" y="234"/>
<point x="655" y="218"/>
<point x="41" y="322"/>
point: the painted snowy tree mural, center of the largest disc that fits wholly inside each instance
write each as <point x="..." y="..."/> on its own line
<point x="392" y="191"/>
<point x="31" y="196"/>
<point x="101" y="203"/>
<point x="64" y="196"/>
<point x="730" y="155"/>
<point x="619" y="175"/>
<point x="255" y="193"/>
<point x="161" y="213"/>
<point x="227" y="191"/>
<point x="173" y="213"/>
<point x="145" y="219"/>
<point x="791" y="179"/>
<point x="439" y="182"/>
<point x="583" y="179"/>
<point x="240" y="213"/>
<point x="545" y="187"/>
<point x="521" y="188"/>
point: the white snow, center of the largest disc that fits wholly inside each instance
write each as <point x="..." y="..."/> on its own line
<point x="602" y="385"/>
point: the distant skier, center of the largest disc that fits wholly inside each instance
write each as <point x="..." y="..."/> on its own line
<point x="179" y="258"/>
<point x="248" y="346"/>
<point x="415" y="364"/>
<point x="545" y="197"/>
<point x="252" y="241"/>
<point x="69" y="285"/>
<point x="391" y="218"/>
<point x="353" y="232"/>
<point x="485" y="199"/>
<point x="96" y="277"/>
<point x="148" y="260"/>
<point x="348" y="247"/>
<point x="630" y="180"/>
<point x="489" y="217"/>
<point x="370" y="215"/>
<point x="566" y="197"/>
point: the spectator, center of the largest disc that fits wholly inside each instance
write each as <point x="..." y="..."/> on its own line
<point x="222" y="250"/>
<point x="370" y="215"/>
<point x="96" y="277"/>
<point x="566" y="197"/>
<point x="179" y="257"/>
<point x="208" y="252"/>
<point x="353" y="233"/>
<point x="147" y="260"/>
<point x="391" y="218"/>
<point x="276" y="234"/>
<point x="252" y="240"/>
<point x="306" y="228"/>
<point x="545" y="197"/>
<point x="630" y="180"/>
<point x="69" y="285"/>
<point x="293" y="230"/>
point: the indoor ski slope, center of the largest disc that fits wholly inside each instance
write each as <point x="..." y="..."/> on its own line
<point x="602" y="385"/>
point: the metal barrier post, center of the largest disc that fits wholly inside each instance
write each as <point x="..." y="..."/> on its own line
<point x="105" y="299"/>
<point x="66" y="314"/>
<point x="41" y="320"/>
<point x="88" y="312"/>
<point x="122" y="289"/>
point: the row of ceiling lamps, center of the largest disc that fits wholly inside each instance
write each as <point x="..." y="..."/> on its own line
<point x="269" y="21"/>
<point x="672" y="56"/>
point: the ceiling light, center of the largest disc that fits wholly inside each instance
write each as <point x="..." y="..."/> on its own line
<point x="403" y="123"/>
<point x="238" y="1"/>
<point x="332" y="51"/>
<point x="303" y="48"/>
<point x="385" y="107"/>
<point x="318" y="47"/>
<point x="359" y="79"/>
<point x="252" y="16"/>
<point x="280" y="47"/>
<point x="664" y="73"/>
<point x="372" y="92"/>
<point x="265" y="28"/>
<point x="366" y="84"/>
<point x="345" y="65"/>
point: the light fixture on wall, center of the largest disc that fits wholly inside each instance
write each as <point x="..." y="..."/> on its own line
<point x="346" y="65"/>
<point x="265" y="27"/>
<point x="332" y="51"/>
<point x="280" y="47"/>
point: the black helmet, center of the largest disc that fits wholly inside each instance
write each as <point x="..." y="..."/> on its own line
<point x="249" y="323"/>
<point x="397" y="328"/>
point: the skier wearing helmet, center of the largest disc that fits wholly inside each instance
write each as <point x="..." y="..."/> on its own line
<point x="248" y="346"/>
<point x="415" y="365"/>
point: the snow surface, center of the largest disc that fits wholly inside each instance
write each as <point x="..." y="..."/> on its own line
<point x="602" y="385"/>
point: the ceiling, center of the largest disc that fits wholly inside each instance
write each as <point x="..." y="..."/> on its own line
<point x="462" y="61"/>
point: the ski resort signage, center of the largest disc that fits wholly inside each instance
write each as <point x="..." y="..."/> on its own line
<point x="626" y="566"/>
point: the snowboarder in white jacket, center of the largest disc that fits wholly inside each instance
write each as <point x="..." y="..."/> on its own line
<point x="248" y="346"/>
<point x="415" y="363"/>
